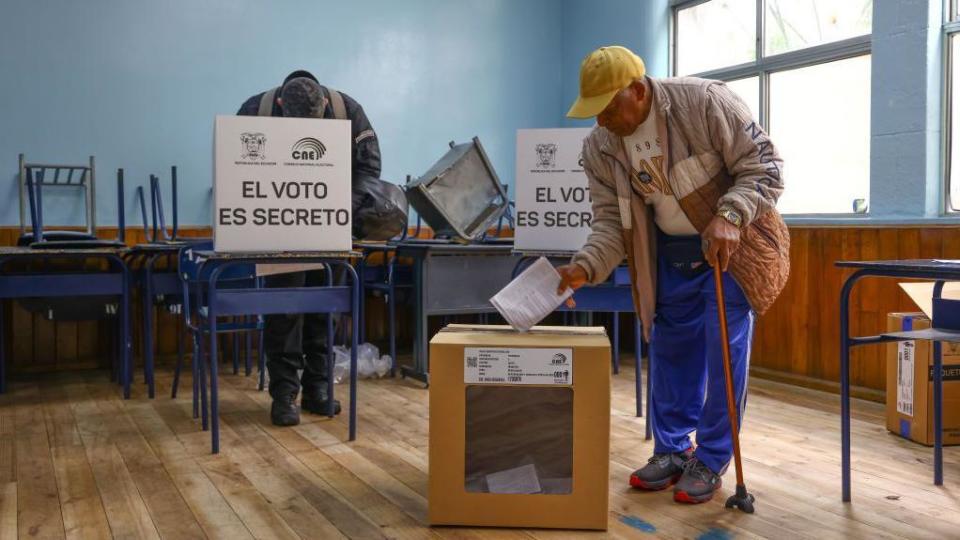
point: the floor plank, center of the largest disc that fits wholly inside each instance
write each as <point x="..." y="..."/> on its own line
<point x="38" y="502"/>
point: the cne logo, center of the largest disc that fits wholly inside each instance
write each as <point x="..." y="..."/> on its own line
<point x="558" y="359"/>
<point x="308" y="148"/>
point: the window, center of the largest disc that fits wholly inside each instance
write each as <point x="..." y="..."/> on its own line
<point x="951" y="32"/>
<point x="803" y="68"/>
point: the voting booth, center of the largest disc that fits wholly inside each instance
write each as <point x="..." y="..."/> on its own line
<point x="519" y="427"/>
<point x="553" y="207"/>
<point x="282" y="184"/>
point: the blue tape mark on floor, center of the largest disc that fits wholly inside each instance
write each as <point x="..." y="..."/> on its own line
<point x="638" y="524"/>
<point x="716" y="533"/>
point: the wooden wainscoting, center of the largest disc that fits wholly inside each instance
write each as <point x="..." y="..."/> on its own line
<point x="798" y="340"/>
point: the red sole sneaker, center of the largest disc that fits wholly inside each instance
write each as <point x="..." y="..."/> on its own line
<point x="686" y="498"/>
<point x="637" y="483"/>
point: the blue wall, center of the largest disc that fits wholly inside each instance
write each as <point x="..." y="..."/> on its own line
<point x="641" y="26"/>
<point x="137" y="83"/>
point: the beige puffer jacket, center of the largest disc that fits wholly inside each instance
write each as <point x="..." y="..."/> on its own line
<point x="715" y="154"/>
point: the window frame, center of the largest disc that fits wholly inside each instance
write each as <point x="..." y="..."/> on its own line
<point x="765" y="65"/>
<point x="950" y="29"/>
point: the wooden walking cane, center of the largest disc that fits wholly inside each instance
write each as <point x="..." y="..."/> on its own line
<point x="741" y="499"/>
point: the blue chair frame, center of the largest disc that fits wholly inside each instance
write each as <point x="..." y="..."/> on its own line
<point x="192" y="276"/>
<point x="334" y="299"/>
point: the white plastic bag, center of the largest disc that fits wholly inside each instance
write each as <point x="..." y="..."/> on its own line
<point x="370" y="364"/>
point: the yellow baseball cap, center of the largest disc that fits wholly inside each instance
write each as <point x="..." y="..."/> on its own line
<point x="603" y="73"/>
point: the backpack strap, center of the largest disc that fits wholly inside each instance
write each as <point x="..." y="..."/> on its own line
<point x="339" y="107"/>
<point x="266" y="102"/>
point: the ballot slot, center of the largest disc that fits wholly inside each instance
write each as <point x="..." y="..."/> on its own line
<point x="519" y="440"/>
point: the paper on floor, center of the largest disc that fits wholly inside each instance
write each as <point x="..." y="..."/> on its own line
<point x="531" y="296"/>
<point x="520" y="481"/>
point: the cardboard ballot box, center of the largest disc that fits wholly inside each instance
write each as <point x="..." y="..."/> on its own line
<point x="910" y="383"/>
<point x="519" y="427"/>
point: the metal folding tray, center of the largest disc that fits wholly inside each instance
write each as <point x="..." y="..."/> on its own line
<point x="461" y="195"/>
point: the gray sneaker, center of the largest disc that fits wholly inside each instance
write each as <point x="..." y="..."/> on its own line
<point x="697" y="483"/>
<point x="661" y="471"/>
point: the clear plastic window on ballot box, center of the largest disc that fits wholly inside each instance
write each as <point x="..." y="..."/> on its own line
<point x="519" y="440"/>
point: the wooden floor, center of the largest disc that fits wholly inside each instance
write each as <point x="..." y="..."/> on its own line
<point x="77" y="461"/>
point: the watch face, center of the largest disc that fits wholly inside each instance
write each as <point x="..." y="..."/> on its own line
<point x="644" y="177"/>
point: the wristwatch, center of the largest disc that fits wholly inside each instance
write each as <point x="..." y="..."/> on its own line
<point x="730" y="215"/>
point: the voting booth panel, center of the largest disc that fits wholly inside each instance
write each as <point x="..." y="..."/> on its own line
<point x="282" y="184"/>
<point x="552" y="195"/>
<point x="519" y="427"/>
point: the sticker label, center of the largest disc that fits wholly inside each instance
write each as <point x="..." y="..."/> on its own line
<point x="905" y="360"/>
<point x="517" y="366"/>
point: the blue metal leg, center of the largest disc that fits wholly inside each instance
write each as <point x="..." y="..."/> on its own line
<point x="637" y="362"/>
<point x="236" y="350"/>
<point x="392" y="326"/>
<point x="148" y="325"/>
<point x="353" y="356"/>
<point x="248" y="345"/>
<point x="331" y="358"/>
<point x="261" y="360"/>
<point x="205" y="358"/>
<point x="214" y="396"/>
<point x="195" y="362"/>
<point x="937" y="414"/>
<point x="361" y="270"/>
<point x="616" y="343"/>
<point x="845" y="385"/>
<point x="125" y="356"/>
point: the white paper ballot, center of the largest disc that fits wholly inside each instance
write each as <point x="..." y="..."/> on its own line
<point x="522" y="480"/>
<point x="530" y="297"/>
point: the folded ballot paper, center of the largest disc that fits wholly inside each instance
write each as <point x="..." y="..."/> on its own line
<point x="531" y="296"/>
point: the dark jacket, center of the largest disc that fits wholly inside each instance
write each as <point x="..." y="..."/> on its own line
<point x="366" y="147"/>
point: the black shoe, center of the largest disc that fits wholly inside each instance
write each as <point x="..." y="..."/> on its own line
<point x="661" y="471"/>
<point x="284" y="411"/>
<point x="697" y="483"/>
<point x="318" y="405"/>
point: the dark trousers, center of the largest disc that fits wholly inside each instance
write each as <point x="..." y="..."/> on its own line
<point x="297" y="341"/>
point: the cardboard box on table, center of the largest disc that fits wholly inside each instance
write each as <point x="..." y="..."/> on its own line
<point x="519" y="427"/>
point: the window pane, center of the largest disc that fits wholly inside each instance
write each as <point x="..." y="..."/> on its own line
<point x="820" y="121"/>
<point x="796" y="24"/>
<point x="716" y="34"/>
<point x="954" y="132"/>
<point x="749" y="90"/>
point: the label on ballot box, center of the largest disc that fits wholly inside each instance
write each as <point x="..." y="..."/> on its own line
<point x="517" y="366"/>
<point x="553" y="198"/>
<point x="282" y="184"/>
